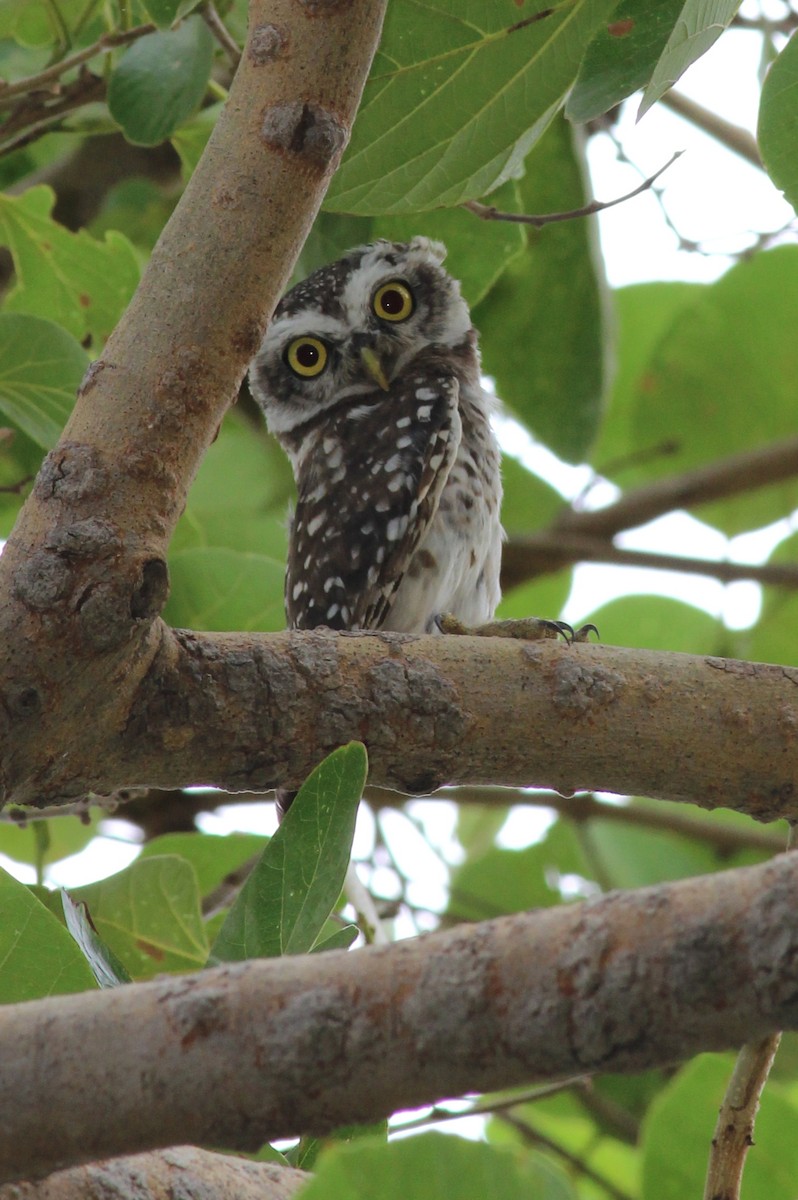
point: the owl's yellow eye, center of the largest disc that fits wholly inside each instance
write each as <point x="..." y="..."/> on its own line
<point x="393" y="301"/>
<point x="307" y="357"/>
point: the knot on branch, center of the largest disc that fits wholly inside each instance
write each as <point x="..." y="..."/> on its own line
<point x="71" y="472"/>
<point x="268" y="43"/>
<point x="305" y="129"/>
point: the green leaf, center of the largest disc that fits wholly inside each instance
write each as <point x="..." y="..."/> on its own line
<point x="213" y="857"/>
<point x="622" y="56"/>
<point x="160" y="81"/>
<point x="191" y="138"/>
<point x="720" y="381"/>
<point x="240" y="495"/>
<point x="342" y="939"/>
<point x="41" y="366"/>
<point x="509" y="881"/>
<point x="285" y="902"/>
<point x="659" y="623"/>
<point x="543" y="332"/>
<point x="149" y="914"/>
<point x="778" y="121"/>
<point x="69" y="278"/>
<point x="644" y="313"/>
<point x="162" y="12"/>
<point x="66" y="835"/>
<point x="37" y="955"/>
<point x="216" y="588"/>
<point x="432" y="1166"/>
<point x="698" y="28"/>
<point x="105" y="966"/>
<point x="456" y="99"/>
<point x="684" y="1115"/>
<point x="774" y="638"/>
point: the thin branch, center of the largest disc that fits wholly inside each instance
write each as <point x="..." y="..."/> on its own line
<point x="732" y="136"/>
<point x="734" y="1130"/>
<point x="220" y="31"/>
<point x="742" y="472"/>
<point x="488" y="213"/>
<point x="50" y="75"/>
<point x="486" y="1106"/>
<point x="526" y="557"/>
<point x="534" y="1137"/>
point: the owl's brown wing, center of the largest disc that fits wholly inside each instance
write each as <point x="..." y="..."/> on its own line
<point x="366" y="499"/>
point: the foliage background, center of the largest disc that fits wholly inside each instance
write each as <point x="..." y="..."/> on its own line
<point x="103" y="122"/>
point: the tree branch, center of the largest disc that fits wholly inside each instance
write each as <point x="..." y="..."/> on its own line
<point x="83" y="575"/>
<point x="525" y="558"/>
<point x="733" y="137"/>
<point x="181" y="1171"/>
<point x="275" y="1048"/>
<point x="254" y="711"/>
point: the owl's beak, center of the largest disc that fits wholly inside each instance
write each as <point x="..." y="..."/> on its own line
<point x="374" y="368"/>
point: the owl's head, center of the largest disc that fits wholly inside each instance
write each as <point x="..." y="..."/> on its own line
<point x="350" y="329"/>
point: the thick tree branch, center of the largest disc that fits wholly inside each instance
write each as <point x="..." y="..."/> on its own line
<point x="251" y="712"/>
<point x="182" y="1171"/>
<point x="273" y="1048"/>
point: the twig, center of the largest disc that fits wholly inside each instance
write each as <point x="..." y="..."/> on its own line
<point x="14" y="489"/>
<point x="524" y="558"/>
<point x="220" y="31"/>
<point x="742" y="472"/>
<point x="536" y="1138"/>
<point x="733" y="1135"/>
<point x="733" y="137"/>
<point x="727" y="839"/>
<point x="486" y="1106"/>
<point x="489" y="213"/>
<point x="734" y="1129"/>
<point x="41" y="79"/>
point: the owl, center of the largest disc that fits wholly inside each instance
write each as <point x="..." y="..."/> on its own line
<point x="369" y="377"/>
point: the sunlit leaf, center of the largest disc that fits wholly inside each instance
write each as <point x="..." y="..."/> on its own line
<point x="698" y="28"/>
<point x="37" y="955"/>
<point x="778" y="121"/>
<point x="70" y="278"/>
<point x="149" y="914"/>
<point x="41" y="366"/>
<point x="457" y="97"/>
<point x="622" y="56"/>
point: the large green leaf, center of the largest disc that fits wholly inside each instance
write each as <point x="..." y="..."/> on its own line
<point x="37" y="955"/>
<point x="220" y="589"/>
<point x="622" y="56"/>
<point x="149" y="914"/>
<point x="778" y="121"/>
<point x="544" y="334"/>
<point x="70" y="278"/>
<point x="721" y="380"/>
<point x="41" y="366"/>
<point x="659" y="623"/>
<point x="698" y="28"/>
<point x="284" y="904"/>
<point x="458" y="94"/>
<point x="432" y="1166"/>
<point x="644" y="313"/>
<point x="684" y="1115"/>
<point x="160" y="81"/>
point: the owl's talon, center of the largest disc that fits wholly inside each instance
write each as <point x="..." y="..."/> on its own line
<point x="529" y="629"/>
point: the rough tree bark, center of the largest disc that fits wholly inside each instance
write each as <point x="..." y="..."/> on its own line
<point x="273" y="1048"/>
